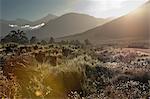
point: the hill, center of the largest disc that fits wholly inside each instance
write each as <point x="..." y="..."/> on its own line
<point x="132" y="27"/>
<point x="7" y="25"/>
<point x="68" y="24"/>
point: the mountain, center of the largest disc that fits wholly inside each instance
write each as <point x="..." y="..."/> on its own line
<point x="68" y="24"/>
<point x="135" y="26"/>
<point x="7" y="25"/>
<point x="45" y="19"/>
<point x="4" y="29"/>
<point x="16" y="22"/>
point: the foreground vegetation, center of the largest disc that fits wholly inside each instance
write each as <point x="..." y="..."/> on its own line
<point x="72" y="70"/>
<point x="57" y="71"/>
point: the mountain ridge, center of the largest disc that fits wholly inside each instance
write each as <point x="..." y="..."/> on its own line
<point x="5" y="25"/>
<point x="133" y="25"/>
<point x="68" y="24"/>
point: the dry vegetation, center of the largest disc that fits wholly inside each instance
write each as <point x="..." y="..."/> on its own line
<point x="73" y="72"/>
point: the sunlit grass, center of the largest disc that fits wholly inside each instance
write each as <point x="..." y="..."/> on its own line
<point x="43" y="80"/>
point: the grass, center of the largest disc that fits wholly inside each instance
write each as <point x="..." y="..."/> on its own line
<point x="43" y="80"/>
<point x="49" y="74"/>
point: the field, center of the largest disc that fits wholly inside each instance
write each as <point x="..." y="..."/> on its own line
<point x="70" y="71"/>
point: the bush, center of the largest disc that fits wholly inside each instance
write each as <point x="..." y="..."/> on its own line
<point x="16" y="37"/>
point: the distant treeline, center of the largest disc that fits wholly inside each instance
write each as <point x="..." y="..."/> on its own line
<point x="20" y="37"/>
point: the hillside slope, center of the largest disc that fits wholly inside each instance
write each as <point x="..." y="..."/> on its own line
<point x="131" y="27"/>
<point x="68" y="24"/>
<point x="7" y="25"/>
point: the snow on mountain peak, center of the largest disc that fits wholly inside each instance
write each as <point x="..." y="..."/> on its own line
<point x="12" y="25"/>
<point x="27" y="26"/>
<point x="37" y="26"/>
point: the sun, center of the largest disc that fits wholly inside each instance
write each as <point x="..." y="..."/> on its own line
<point x="112" y="8"/>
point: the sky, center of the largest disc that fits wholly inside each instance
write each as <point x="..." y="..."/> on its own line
<point x="36" y="9"/>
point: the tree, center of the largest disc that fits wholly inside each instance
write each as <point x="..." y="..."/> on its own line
<point x="33" y="40"/>
<point x="16" y="37"/>
<point x="19" y="33"/>
<point x="75" y="42"/>
<point x="43" y="42"/>
<point x="64" y="42"/>
<point x="52" y="40"/>
<point x="87" y="42"/>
